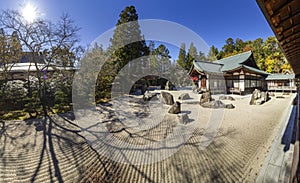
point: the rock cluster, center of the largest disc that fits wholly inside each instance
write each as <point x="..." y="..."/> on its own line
<point x="217" y="104"/>
<point x="208" y="102"/>
<point x="258" y="97"/>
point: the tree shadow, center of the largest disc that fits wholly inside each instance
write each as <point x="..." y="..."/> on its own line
<point x="143" y="172"/>
<point x="48" y="149"/>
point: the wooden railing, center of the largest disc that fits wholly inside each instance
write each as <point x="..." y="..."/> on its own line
<point x="282" y="88"/>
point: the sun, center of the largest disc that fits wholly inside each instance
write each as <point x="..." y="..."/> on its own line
<point x="29" y="12"/>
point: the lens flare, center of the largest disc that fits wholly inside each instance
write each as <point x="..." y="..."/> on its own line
<point x="29" y="12"/>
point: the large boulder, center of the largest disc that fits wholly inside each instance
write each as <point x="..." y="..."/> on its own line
<point x="259" y="97"/>
<point x="175" y="109"/>
<point x="217" y="104"/>
<point x="264" y="96"/>
<point x="184" y="96"/>
<point x="205" y="97"/>
<point x="213" y="104"/>
<point x="166" y="98"/>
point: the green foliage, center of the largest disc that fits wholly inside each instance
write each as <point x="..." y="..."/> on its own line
<point x="63" y="56"/>
<point x="201" y="56"/>
<point x="121" y="55"/>
<point x="10" y="53"/>
<point x="33" y="105"/>
<point x="267" y="54"/>
<point x="212" y="54"/>
<point x="229" y="47"/>
<point x="191" y="56"/>
<point x="181" y="61"/>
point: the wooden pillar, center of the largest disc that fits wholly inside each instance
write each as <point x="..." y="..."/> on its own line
<point x="242" y="82"/>
<point x="207" y="82"/>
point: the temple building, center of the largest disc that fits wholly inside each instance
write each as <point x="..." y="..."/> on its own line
<point x="236" y="74"/>
<point x="281" y="82"/>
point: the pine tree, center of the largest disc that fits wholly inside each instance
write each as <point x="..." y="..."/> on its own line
<point x="122" y="51"/>
<point x="201" y="56"/>
<point x="181" y="61"/>
<point x="192" y="55"/>
<point x="212" y="54"/>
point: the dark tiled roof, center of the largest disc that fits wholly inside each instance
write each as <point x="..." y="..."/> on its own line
<point x="255" y="70"/>
<point x="280" y="77"/>
<point x="209" y="67"/>
<point x="235" y="61"/>
<point x="228" y="64"/>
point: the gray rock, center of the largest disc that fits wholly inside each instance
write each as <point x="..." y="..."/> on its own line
<point x="205" y="97"/>
<point x="272" y="94"/>
<point x="148" y="96"/>
<point x="214" y="104"/>
<point x="226" y="98"/>
<point x="217" y="104"/>
<point x="259" y="97"/>
<point x="230" y="106"/>
<point x="255" y="96"/>
<point x="184" y="96"/>
<point x="264" y="97"/>
<point x="166" y="98"/>
<point x="175" y="109"/>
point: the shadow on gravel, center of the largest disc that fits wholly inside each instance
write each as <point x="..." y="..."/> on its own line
<point x="48" y="149"/>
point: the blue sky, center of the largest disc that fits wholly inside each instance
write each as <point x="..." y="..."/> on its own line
<point x="214" y="21"/>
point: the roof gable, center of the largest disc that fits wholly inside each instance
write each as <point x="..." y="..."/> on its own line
<point x="235" y="61"/>
<point x="209" y="67"/>
<point x="243" y="60"/>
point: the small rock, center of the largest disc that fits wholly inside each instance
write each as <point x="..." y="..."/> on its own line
<point x="272" y="94"/>
<point x="184" y="96"/>
<point x="230" y="106"/>
<point x="148" y="96"/>
<point x="226" y="98"/>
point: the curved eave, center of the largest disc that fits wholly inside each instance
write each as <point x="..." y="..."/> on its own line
<point x="253" y="70"/>
<point x="284" y="18"/>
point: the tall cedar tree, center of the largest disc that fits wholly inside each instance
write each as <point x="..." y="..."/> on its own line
<point x="181" y="61"/>
<point x="192" y="55"/>
<point x="121" y="55"/>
